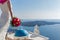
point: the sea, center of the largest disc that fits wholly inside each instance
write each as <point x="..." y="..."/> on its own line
<point x="50" y="31"/>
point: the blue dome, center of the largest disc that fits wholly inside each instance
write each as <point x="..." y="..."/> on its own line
<point x="21" y="33"/>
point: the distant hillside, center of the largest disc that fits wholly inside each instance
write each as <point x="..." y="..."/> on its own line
<point x="33" y="23"/>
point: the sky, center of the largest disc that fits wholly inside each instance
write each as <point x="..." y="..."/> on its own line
<point x="36" y="9"/>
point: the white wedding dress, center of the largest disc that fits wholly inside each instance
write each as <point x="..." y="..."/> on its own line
<point x="4" y="20"/>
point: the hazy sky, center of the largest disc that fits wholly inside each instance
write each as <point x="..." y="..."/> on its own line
<point x="36" y="9"/>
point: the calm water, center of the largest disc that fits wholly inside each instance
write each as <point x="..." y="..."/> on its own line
<point x="51" y="31"/>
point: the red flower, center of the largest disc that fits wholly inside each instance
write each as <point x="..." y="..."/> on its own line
<point x="2" y="1"/>
<point x="16" y="22"/>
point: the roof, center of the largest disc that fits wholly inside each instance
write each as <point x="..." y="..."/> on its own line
<point x="21" y="33"/>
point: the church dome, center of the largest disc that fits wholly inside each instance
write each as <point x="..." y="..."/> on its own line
<point x="21" y="33"/>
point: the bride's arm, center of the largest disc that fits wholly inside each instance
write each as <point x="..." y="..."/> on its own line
<point x="9" y="6"/>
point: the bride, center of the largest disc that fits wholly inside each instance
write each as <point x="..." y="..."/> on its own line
<point x="5" y="7"/>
